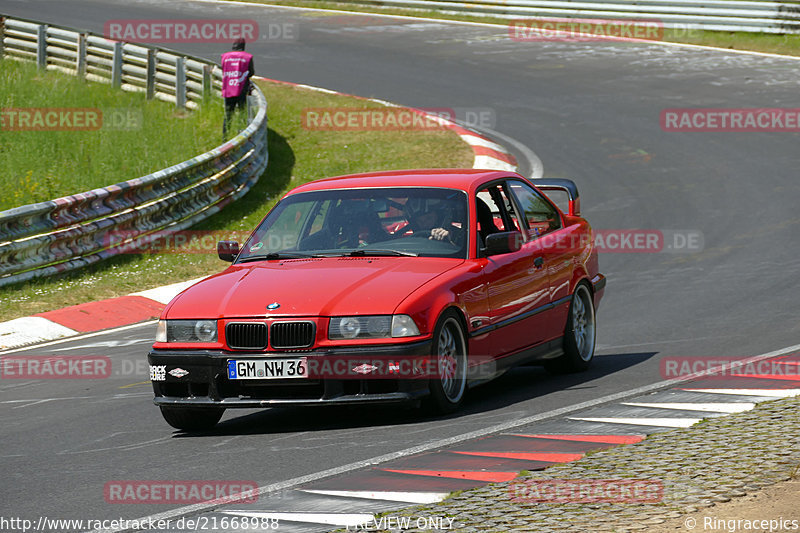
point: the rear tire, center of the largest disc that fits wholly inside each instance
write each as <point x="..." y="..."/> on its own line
<point x="450" y="350"/>
<point x="190" y="418"/>
<point x="579" y="334"/>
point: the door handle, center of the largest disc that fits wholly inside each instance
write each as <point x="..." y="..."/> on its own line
<point x="538" y="262"/>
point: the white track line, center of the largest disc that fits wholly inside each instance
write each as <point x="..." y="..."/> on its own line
<point x="488" y="162"/>
<point x="31" y="330"/>
<point x="771" y="393"/>
<point x="331" y="519"/>
<point x="709" y="407"/>
<point x="84" y="336"/>
<point x="654" y="422"/>
<point x="474" y="140"/>
<point x="405" y="497"/>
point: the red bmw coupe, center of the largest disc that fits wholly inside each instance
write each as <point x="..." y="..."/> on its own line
<point x="398" y="286"/>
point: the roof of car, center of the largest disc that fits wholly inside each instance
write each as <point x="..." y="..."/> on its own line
<point x="464" y="179"/>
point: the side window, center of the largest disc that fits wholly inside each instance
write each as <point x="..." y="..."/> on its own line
<point x="489" y="219"/>
<point x="511" y="218"/>
<point x="495" y="211"/>
<point x="540" y="217"/>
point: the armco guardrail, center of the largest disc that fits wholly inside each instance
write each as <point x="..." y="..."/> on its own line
<point x="159" y="73"/>
<point x="718" y="15"/>
<point x="67" y="233"/>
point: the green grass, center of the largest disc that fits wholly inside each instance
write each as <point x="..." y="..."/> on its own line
<point x="36" y="166"/>
<point x="296" y="156"/>
<point x="759" y="42"/>
<point x="756" y="42"/>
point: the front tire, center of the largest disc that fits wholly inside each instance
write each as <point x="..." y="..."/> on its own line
<point x="450" y="351"/>
<point x="191" y="419"/>
<point x="579" y="334"/>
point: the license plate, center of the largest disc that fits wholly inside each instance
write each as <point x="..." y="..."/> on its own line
<point x="267" y="368"/>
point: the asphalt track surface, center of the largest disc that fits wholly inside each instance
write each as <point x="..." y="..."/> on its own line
<point x="591" y="113"/>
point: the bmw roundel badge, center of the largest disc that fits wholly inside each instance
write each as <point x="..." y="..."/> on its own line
<point x="273" y="305"/>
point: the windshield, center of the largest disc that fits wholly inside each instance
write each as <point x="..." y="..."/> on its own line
<point x="416" y="221"/>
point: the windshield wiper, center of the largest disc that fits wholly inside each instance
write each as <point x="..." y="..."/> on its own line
<point x="273" y="255"/>
<point x="362" y="252"/>
<point x="365" y="252"/>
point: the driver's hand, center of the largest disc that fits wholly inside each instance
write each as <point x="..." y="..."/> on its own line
<point x="439" y="234"/>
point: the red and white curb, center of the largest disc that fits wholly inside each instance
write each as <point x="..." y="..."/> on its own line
<point x="147" y="305"/>
<point x="89" y="317"/>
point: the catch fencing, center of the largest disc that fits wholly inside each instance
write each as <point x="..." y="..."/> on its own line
<point x="51" y="237"/>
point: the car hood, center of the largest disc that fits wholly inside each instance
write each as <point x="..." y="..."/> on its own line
<point x="308" y="287"/>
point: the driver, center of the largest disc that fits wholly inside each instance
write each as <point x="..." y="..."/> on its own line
<point x="444" y="221"/>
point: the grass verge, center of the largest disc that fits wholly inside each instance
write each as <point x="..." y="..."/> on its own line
<point x="296" y="155"/>
<point x="757" y="42"/>
<point x="36" y="166"/>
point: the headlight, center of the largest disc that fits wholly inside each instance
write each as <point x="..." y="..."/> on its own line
<point x="371" y="327"/>
<point x="186" y="331"/>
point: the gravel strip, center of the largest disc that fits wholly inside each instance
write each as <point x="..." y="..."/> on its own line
<point x="687" y="469"/>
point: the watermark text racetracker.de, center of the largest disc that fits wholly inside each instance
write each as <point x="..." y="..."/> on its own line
<point x="180" y="492"/>
<point x="157" y="31"/>
<point x="730" y="120"/>
<point x="18" y="119"/>
<point x="722" y="367"/>
<point x="183" y="242"/>
<point x="650" y="241"/>
<point x="604" y="240"/>
<point x="71" y="367"/>
<point x="341" y="367"/>
<point x="586" y="491"/>
<point x="583" y="29"/>
<point x="395" y="118"/>
<point x="55" y="367"/>
<point x="568" y="29"/>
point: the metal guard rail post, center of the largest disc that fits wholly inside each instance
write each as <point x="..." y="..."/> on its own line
<point x="59" y="235"/>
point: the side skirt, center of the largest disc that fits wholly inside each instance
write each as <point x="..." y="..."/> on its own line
<point x="536" y="355"/>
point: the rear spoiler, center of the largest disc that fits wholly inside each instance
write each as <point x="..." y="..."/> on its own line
<point x="565" y="185"/>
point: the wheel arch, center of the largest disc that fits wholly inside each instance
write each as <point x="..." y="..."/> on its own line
<point x="430" y="301"/>
<point x="579" y="274"/>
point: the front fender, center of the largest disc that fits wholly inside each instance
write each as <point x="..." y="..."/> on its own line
<point x="462" y="288"/>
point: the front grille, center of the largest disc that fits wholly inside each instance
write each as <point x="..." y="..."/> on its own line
<point x="292" y="334"/>
<point x="246" y="335"/>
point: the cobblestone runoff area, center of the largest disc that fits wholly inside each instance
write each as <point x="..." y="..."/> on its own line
<point x="689" y="469"/>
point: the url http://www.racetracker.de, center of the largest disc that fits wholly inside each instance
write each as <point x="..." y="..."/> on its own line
<point x="198" y="523"/>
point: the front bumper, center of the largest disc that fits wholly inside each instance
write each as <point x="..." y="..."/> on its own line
<point x="599" y="287"/>
<point x="200" y="379"/>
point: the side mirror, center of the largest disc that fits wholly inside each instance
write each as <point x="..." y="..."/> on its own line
<point x="502" y="243"/>
<point x="227" y="250"/>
